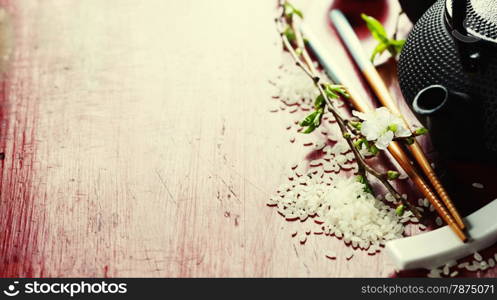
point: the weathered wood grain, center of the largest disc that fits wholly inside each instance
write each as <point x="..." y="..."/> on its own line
<point x="138" y="143"/>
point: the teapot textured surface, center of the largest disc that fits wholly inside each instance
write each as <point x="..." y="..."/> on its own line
<point x="432" y="56"/>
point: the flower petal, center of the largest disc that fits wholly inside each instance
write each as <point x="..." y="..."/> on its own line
<point x="384" y="140"/>
<point x="358" y="114"/>
<point x="402" y="132"/>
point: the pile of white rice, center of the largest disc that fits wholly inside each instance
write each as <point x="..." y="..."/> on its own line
<point x="296" y="91"/>
<point x="294" y="86"/>
<point x="342" y="209"/>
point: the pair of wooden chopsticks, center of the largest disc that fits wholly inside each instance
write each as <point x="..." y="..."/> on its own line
<point x="347" y="34"/>
<point x="449" y="214"/>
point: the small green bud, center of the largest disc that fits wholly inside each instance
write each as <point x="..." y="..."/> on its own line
<point x="347" y="135"/>
<point x="290" y="34"/>
<point x="358" y="143"/>
<point x="298" y="51"/>
<point x="360" y="178"/>
<point x="420" y="131"/>
<point x="410" y="140"/>
<point x="400" y="210"/>
<point x="392" y="175"/>
<point x="373" y="149"/>
<point x="356" y="125"/>
<point x="392" y="127"/>
<point x="367" y="188"/>
<point x="334" y="90"/>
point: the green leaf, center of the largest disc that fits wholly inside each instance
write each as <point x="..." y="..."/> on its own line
<point x="290" y="10"/>
<point x="378" y="50"/>
<point x="319" y="116"/>
<point x="309" y="129"/>
<point x="397" y="44"/>
<point x="376" y="28"/>
<point x="298" y="13"/>
<point x="319" y="102"/>
<point x="335" y="90"/>
<point x="313" y="120"/>
<point x="309" y="119"/>
<point x="392" y="175"/>
<point x="362" y="179"/>
<point x="331" y="94"/>
<point x="379" y="33"/>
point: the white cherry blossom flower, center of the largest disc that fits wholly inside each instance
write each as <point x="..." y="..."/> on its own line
<point x="381" y="126"/>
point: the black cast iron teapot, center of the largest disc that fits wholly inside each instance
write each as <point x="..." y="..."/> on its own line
<point x="448" y="73"/>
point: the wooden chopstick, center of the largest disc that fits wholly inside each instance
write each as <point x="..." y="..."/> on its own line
<point x="395" y="150"/>
<point x="352" y="43"/>
<point x="385" y="98"/>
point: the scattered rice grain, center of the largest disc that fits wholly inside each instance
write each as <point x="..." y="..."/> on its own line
<point x="331" y="255"/>
<point x="435" y="273"/>
<point x="478" y="185"/>
<point x="477" y="256"/>
<point x="302" y="238"/>
<point x="491" y="262"/>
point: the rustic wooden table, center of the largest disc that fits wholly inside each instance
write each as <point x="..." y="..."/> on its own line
<point x="138" y="142"/>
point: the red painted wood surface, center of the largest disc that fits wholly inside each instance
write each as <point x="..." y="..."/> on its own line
<point x="138" y="142"/>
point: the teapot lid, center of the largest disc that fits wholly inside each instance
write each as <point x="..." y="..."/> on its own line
<point x="481" y="18"/>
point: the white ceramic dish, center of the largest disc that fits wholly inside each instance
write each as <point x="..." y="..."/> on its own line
<point x="435" y="248"/>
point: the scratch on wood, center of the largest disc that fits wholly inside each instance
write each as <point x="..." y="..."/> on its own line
<point x="230" y="188"/>
<point x="295" y="249"/>
<point x="165" y="186"/>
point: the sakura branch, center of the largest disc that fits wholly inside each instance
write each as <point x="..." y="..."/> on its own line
<point x="372" y="131"/>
